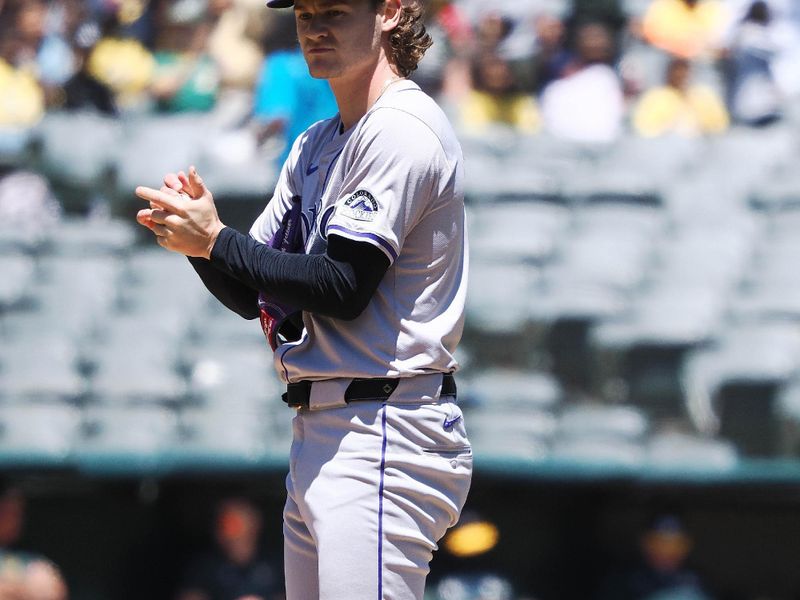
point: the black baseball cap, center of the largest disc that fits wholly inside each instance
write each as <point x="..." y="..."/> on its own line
<point x="280" y="3"/>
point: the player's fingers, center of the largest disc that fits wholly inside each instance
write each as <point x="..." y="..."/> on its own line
<point x="143" y="217"/>
<point x="193" y="191"/>
<point x="174" y="204"/>
<point x="184" y="179"/>
<point x="197" y="182"/>
<point x="169" y="190"/>
<point x="161" y="231"/>
<point x="164" y="217"/>
<point x="172" y="181"/>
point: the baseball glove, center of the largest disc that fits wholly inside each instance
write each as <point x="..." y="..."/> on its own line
<point x="283" y="323"/>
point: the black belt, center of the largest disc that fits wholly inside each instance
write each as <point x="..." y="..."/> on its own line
<point x="298" y="394"/>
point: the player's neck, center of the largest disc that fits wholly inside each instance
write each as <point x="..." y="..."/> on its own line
<point x="356" y="95"/>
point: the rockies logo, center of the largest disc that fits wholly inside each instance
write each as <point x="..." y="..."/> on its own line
<point x="362" y="206"/>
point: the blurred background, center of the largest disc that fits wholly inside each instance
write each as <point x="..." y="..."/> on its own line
<point x="631" y="359"/>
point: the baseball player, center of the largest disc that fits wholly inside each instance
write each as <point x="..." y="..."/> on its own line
<point x="357" y="269"/>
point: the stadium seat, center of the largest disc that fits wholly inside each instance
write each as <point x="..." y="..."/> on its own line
<point x="614" y="259"/>
<point x="599" y="420"/>
<point x="226" y="433"/>
<point x="213" y="324"/>
<point x="40" y="367"/>
<point x="16" y="278"/>
<point x="233" y="166"/>
<point x="527" y="232"/>
<point x="85" y="237"/>
<point x="120" y="376"/>
<point x="523" y="433"/>
<point x="154" y="280"/>
<point x="716" y="258"/>
<point x="73" y="298"/>
<point x="241" y="375"/>
<point x="502" y="388"/>
<point x="779" y="193"/>
<point x="38" y="432"/>
<point x="136" y="358"/>
<point x="611" y="181"/>
<point x="496" y="180"/>
<point x="760" y="354"/>
<point x="757" y="155"/>
<point x="498" y="295"/>
<point x="600" y="436"/>
<point x="567" y="299"/>
<point x="668" y="316"/>
<point x="608" y="455"/>
<point x="121" y="437"/>
<point x="78" y="148"/>
<point x="665" y="159"/>
<point x="14" y="239"/>
<point x="136" y="162"/>
<point x="619" y="215"/>
<point x="685" y="453"/>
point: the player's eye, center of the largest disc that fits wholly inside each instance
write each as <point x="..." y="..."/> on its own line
<point x="302" y="16"/>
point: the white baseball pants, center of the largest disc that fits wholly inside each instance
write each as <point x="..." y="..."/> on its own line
<point x="371" y="489"/>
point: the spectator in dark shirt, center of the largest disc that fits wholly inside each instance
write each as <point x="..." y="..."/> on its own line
<point x="664" y="545"/>
<point x="611" y="13"/>
<point x="237" y="568"/>
<point x="84" y="91"/>
<point x="752" y="92"/>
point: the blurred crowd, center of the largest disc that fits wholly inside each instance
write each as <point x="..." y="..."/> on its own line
<point x="582" y="70"/>
<point x="235" y="560"/>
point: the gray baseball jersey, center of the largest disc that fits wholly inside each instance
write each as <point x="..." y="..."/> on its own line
<point x="393" y="180"/>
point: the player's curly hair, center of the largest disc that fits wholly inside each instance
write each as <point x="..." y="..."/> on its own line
<point x="409" y="40"/>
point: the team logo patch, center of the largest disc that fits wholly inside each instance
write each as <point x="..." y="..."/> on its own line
<point x="361" y="206"/>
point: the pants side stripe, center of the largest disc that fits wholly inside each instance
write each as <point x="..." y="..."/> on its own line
<point x="380" y="505"/>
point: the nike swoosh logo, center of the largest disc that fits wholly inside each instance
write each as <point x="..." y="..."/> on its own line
<point x="311" y="169"/>
<point x="448" y="423"/>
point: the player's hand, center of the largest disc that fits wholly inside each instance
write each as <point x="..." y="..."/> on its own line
<point x="180" y="182"/>
<point x="185" y="219"/>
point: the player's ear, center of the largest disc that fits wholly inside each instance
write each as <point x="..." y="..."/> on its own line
<point x="392" y="11"/>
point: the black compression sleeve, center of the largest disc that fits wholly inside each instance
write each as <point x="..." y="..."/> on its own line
<point x="238" y="297"/>
<point x="337" y="284"/>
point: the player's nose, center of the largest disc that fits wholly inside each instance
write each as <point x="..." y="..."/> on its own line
<point x="315" y="29"/>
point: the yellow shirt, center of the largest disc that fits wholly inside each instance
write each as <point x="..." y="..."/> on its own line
<point x="665" y="110"/>
<point x="481" y="109"/>
<point x="680" y="30"/>
<point x="124" y="65"/>
<point x="21" y="97"/>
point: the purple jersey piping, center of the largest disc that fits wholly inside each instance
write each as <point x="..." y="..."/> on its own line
<point x="380" y="505"/>
<point x="369" y="236"/>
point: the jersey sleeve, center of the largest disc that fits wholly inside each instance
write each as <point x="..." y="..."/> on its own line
<point x="392" y="175"/>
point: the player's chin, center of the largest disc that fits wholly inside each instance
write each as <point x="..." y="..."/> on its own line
<point x="319" y="68"/>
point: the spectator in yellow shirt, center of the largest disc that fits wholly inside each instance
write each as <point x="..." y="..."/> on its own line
<point x="685" y="28"/>
<point x="680" y="107"/>
<point x="21" y="97"/>
<point x="22" y="101"/>
<point x="495" y="100"/>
